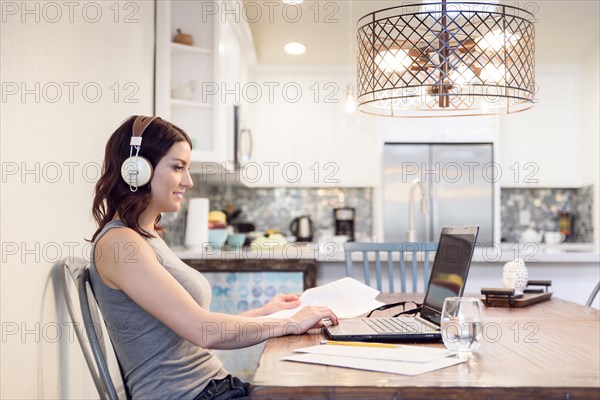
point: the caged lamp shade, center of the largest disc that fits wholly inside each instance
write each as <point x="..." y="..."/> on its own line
<point x="446" y="59"/>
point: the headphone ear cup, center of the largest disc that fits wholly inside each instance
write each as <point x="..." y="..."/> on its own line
<point x="136" y="171"/>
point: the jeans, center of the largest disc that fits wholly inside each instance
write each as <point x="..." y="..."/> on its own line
<point x="225" y="389"/>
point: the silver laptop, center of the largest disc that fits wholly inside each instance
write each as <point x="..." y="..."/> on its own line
<point x="448" y="278"/>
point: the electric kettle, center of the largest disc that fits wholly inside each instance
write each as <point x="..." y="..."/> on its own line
<point x="302" y="228"/>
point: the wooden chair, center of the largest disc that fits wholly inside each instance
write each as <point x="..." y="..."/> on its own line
<point x="76" y="273"/>
<point x="416" y="250"/>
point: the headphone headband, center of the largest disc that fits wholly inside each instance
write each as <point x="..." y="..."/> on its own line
<point x="139" y="126"/>
<point x="137" y="170"/>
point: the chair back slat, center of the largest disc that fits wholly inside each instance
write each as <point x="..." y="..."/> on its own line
<point x="390" y="267"/>
<point x="366" y="270"/>
<point x="68" y="278"/>
<point x="402" y="274"/>
<point x="408" y="250"/>
<point x="349" y="267"/>
<point x="593" y="295"/>
<point x="378" y="268"/>
<point x="94" y="339"/>
<point x="76" y="273"/>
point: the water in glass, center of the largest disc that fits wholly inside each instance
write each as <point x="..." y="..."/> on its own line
<point x="462" y="325"/>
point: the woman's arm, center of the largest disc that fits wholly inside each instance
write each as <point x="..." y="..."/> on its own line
<point x="153" y="288"/>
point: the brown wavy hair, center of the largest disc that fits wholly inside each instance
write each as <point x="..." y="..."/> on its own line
<point x="112" y="196"/>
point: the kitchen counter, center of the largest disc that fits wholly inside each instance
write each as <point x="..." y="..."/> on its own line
<point x="334" y="252"/>
<point x="532" y="253"/>
<point x="572" y="268"/>
<point x="291" y="251"/>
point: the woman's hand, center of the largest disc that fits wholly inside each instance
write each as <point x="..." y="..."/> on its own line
<point x="277" y="303"/>
<point x="312" y="317"/>
<point x="281" y="302"/>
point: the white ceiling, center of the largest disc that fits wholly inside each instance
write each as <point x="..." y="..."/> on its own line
<point x="566" y="30"/>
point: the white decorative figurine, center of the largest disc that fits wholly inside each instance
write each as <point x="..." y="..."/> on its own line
<point x="515" y="275"/>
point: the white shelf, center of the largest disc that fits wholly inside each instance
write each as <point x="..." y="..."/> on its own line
<point x="177" y="48"/>
<point x="189" y="103"/>
<point x="214" y="57"/>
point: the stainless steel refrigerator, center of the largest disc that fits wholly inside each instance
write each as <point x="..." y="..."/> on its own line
<point x="457" y="181"/>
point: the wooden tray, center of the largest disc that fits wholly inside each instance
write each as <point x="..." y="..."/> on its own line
<point x="527" y="300"/>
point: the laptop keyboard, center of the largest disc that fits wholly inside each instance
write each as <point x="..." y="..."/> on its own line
<point x="399" y="325"/>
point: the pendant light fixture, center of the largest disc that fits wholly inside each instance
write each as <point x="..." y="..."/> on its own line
<point x="446" y="59"/>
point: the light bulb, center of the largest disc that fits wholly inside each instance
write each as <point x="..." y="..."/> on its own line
<point x="493" y="73"/>
<point x="462" y="75"/>
<point x="495" y="40"/>
<point x="350" y="104"/>
<point x="395" y="60"/>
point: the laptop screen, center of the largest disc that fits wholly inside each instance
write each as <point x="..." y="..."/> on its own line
<point x="450" y="269"/>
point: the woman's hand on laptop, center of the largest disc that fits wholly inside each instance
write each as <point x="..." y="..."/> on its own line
<point x="312" y="317"/>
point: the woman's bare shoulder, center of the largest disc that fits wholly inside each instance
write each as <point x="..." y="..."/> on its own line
<point x="120" y="245"/>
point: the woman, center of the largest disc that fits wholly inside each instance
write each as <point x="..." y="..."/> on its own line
<point x="155" y="306"/>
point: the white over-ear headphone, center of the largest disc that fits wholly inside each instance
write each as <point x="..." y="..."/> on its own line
<point x="137" y="170"/>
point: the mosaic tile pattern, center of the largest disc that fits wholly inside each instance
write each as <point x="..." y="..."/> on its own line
<point x="236" y="292"/>
<point x="583" y="205"/>
<point x="275" y="208"/>
<point x="544" y="206"/>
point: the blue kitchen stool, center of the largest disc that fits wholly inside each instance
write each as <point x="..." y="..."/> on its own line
<point x="76" y="271"/>
<point x="415" y="249"/>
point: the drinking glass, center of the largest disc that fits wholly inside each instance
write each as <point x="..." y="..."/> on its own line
<point x="462" y="325"/>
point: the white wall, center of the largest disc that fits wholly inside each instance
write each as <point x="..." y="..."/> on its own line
<point x="590" y="90"/>
<point x="59" y="137"/>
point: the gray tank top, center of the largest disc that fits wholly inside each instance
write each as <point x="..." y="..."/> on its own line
<point x="157" y="363"/>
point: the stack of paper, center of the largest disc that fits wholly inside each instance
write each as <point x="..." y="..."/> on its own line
<point x="346" y="297"/>
<point x="404" y="360"/>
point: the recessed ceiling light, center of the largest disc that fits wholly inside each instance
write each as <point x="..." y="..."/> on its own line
<point x="294" y="48"/>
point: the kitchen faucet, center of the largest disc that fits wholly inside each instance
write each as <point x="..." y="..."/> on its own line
<point x="412" y="233"/>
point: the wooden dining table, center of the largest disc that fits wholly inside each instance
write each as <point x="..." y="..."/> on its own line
<point x="548" y="350"/>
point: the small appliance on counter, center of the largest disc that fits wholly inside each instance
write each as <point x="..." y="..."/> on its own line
<point x="302" y="228"/>
<point x="565" y="224"/>
<point x="344" y="222"/>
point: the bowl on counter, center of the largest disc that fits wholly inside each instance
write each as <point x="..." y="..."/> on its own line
<point x="236" y="240"/>
<point x="553" y="238"/>
<point x="217" y="237"/>
<point x="273" y="241"/>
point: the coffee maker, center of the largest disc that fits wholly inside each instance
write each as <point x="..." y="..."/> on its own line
<point x="344" y="222"/>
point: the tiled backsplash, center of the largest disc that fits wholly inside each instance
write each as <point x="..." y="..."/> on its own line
<point x="543" y="207"/>
<point x="275" y="208"/>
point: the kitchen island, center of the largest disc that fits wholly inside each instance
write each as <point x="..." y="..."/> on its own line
<point x="573" y="268"/>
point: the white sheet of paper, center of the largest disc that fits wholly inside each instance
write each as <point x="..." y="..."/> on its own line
<point x="347" y="297"/>
<point x="394" y="367"/>
<point x="415" y="354"/>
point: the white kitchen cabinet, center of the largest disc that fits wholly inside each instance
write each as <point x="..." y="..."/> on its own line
<point x="214" y="66"/>
<point x="303" y="135"/>
<point x="541" y="147"/>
